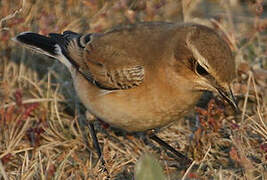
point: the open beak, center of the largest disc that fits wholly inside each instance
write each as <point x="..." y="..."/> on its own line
<point x="229" y="97"/>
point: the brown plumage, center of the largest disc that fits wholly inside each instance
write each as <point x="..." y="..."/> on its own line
<point x="142" y="76"/>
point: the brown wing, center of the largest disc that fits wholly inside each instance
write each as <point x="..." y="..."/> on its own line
<point x="105" y="64"/>
<point x="120" y="78"/>
<point x="117" y="59"/>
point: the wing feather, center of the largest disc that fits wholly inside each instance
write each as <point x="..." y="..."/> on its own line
<point x="110" y="66"/>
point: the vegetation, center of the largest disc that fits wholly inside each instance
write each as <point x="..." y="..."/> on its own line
<point x="43" y="133"/>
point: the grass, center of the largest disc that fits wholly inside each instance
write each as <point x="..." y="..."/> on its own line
<point x="42" y="128"/>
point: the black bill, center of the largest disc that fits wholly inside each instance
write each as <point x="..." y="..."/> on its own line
<point x="229" y="97"/>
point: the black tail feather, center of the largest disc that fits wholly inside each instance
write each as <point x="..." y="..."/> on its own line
<point x="55" y="45"/>
<point x="35" y="40"/>
<point x="63" y="40"/>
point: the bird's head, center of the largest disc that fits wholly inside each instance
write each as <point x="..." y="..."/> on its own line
<point x="209" y="61"/>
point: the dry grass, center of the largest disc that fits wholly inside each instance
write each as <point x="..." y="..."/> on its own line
<point x="43" y="132"/>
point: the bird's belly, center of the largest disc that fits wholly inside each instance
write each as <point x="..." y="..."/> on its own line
<point x="134" y="109"/>
<point x="132" y="116"/>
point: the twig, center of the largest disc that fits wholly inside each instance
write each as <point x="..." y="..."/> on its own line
<point x="188" y="170"/>
<point x="246" y="97"/>
<point x="29" y="101"/>
<point x="2" y="171"/>
<point x="10" y="16"/>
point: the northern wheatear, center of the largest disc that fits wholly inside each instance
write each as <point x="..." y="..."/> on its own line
<point x="142" y="76"/>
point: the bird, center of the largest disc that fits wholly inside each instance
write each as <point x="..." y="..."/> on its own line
<point x="143" y="76"/>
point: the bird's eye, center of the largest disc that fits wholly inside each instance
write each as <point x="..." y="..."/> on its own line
<point x="87" y="38"/>
<point x="200" y="70"/>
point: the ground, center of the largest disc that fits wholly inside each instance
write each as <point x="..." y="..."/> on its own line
<point x="44" y="135"/>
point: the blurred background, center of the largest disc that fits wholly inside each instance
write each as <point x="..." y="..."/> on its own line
<point x="43" y="134"/>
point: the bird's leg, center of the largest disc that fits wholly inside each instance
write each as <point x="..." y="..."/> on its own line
<point x="91" y="118"/>
<point x="154" y="137"/>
